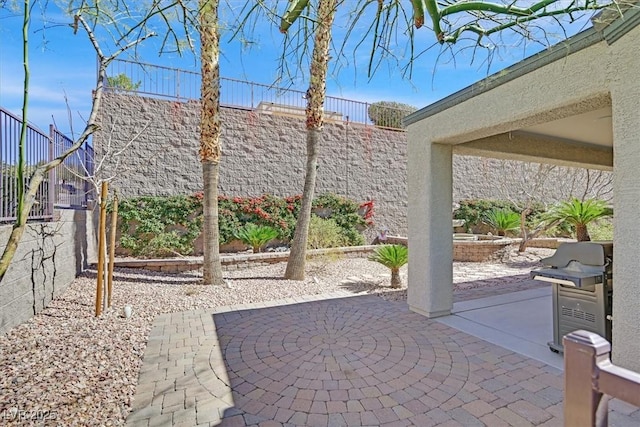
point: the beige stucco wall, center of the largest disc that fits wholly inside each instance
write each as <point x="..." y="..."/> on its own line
<point x="429" y="186"/>
<point x="592" y="78"/>
<point x="624" y="84"/>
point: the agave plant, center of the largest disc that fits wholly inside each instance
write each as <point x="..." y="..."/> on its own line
<point x="393" y="257"/>
<point x="579" y="213"/>
<point x="502" y="220"/>
<point x="255" y="236"/>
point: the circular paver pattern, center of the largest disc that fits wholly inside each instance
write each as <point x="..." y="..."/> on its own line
<point x="339" y="363"/>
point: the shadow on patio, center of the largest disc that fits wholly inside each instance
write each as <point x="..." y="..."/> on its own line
<point x="356" y="360"/>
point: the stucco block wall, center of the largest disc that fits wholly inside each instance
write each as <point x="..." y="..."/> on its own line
<point x="49" y="257"/>
<point x="261" y="153"/>
<point x="264" y="153"/>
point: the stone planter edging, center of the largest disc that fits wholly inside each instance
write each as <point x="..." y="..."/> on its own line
<point x="238" y="261"/>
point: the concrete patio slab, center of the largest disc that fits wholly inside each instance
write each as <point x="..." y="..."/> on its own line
<point x="519" y="321"/>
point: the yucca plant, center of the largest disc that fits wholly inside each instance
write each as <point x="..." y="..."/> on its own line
<point x="255" y="236"/>
<point x="502" y="220"/>
<point x="393" y="257"/>
<point x="579" y="213"/>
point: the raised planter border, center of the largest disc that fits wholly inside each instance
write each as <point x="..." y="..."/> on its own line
<point x="464" y="251"/>
<point x="239" y="261"/>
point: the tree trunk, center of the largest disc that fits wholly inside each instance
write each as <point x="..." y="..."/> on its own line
<point x="14" y="239"/>
<point x="524" y="234"/>
<point x="395" y="278"/>
<point x="315" y="117"/>
<point x="524" y="243"/>
<point x="212" y="267"/>
<point x="23" y="206"/>
<point x="297" y="255"/>
<point x="210" y="138"/>
<point x="582" y="234"/>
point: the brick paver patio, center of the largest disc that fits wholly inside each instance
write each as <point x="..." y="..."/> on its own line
<point x="338" y="360"/>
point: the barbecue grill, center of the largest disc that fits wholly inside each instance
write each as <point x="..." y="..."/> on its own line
<point x="580" y="275"/>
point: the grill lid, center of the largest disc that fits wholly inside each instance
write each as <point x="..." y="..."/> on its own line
<point x="587" y="253"/>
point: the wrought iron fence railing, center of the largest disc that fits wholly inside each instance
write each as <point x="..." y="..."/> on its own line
<point x="65" y="186"/>
<point x="72" y="189"/>
<point x="171" y="83"/>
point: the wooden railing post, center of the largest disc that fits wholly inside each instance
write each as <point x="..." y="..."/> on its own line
<point x="584" y="405"/>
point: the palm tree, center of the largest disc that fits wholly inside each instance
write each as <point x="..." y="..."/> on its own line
<point x="393" y="257"/>
<point x="383" y="35"/>
<point x="315" y="117"/>
<point x="579" y="213"/>
<point x="210" y="137"/>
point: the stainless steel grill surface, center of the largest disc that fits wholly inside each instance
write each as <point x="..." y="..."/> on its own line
<point x="580" y="274"/>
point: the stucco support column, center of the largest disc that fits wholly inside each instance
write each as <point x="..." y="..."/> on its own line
<point x="626" y="185"/>
<point x="429" y="171"/>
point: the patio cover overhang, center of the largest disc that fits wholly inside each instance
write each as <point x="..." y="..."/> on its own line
<point x="574" y="104"/>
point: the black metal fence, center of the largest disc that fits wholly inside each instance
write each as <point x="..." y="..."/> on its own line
<point x="72" y="189"/>
<point x="173" y="83"/>
<point x="65" y="186"/>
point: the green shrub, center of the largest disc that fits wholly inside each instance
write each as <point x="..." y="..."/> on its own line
<point x="276" y="212"/>
<point x="353" y="237"/>
<point x="122" y="82"/>
<point x="256" y="236"/>
<point x="168" y="244"/>
<point x="389" y="114"/>
<point x="392" y="257"/>
<point x="161" y="226"/>
<point x="601" y="230"/>
<point x="345" y="214"/>
<point x="502" y="220"/>
<point x="475" y="211"/>
<point x="325" y="233"/>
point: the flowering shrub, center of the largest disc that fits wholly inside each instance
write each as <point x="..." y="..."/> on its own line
<point x="367" y="212"/>
<point x="161" y="226"/>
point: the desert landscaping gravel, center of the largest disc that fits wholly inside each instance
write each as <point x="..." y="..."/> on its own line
<point x="66" y="367"/>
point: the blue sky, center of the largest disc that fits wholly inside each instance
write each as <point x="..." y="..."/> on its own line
<point x="63" y="65"/>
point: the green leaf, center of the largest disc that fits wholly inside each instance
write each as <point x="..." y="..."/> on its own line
<point x="391" y="256"/>
<point x="577" y="212"/>
<point x="502" y="220"/>
<point x="256" y="236"/>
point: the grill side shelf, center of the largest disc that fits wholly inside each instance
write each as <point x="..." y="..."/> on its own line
<point x="560" y="276"/>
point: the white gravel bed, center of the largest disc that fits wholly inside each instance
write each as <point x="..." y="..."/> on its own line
<point x="66" y="367"/>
